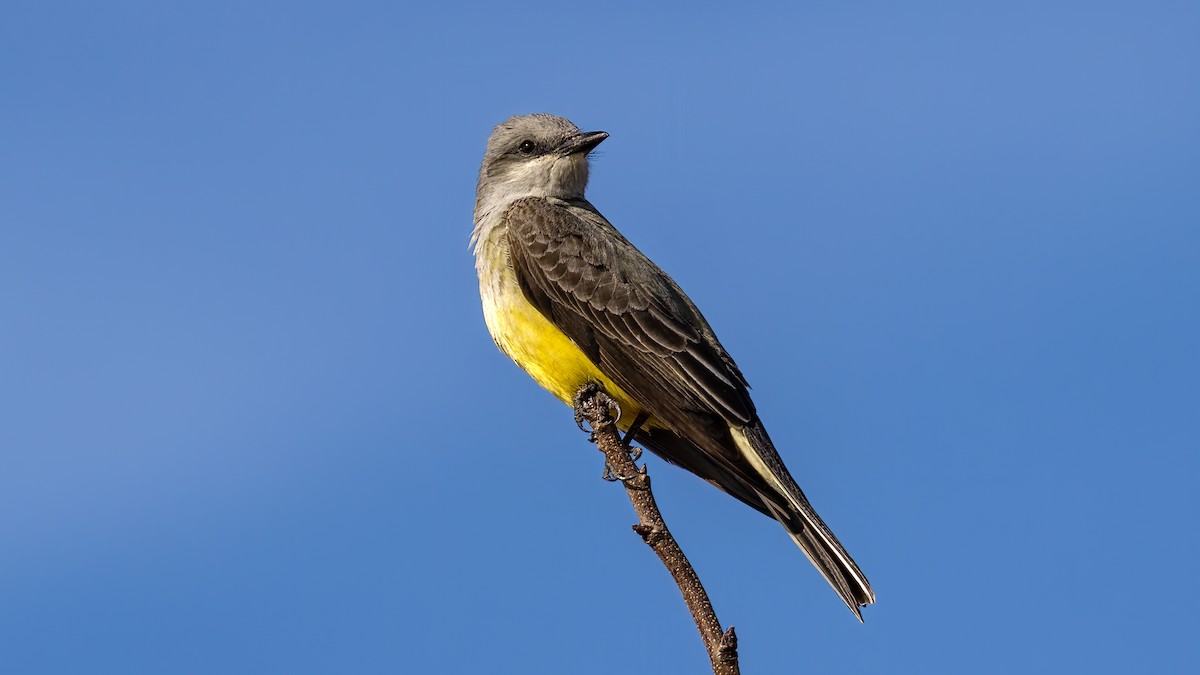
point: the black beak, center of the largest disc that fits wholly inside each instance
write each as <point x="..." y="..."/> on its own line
<point x="584" y="141"/>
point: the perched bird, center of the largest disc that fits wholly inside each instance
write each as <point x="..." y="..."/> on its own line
<point x="571" y="301"/>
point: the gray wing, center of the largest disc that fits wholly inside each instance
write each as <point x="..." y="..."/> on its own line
<point x="629" y="317"/>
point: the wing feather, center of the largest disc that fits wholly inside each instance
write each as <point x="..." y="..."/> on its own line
<point x="600" y="290"/>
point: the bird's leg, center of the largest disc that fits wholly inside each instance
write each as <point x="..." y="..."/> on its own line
<point x="638" y="421"/>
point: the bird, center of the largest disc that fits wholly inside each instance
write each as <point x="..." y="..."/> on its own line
<point x="568" y="298"/>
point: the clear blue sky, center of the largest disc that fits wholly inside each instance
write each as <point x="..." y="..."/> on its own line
<point x="252" y="421"/>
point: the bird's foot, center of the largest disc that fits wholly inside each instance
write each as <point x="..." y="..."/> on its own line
<point x="593" y="391"/>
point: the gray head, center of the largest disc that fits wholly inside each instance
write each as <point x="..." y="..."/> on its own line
<point x="534" y="156"/>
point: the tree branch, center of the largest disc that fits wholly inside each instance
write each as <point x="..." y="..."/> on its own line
<point x="593" y="405"/>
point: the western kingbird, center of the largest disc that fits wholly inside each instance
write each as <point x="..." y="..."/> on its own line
<point x="572" y="301"/>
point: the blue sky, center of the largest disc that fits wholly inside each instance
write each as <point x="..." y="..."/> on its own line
<point x="253" y="422"/>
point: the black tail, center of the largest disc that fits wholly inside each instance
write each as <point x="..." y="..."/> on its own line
<point x="790" y="507"/>
<point x="827" y="554"/>
<point x="743" y="462"/>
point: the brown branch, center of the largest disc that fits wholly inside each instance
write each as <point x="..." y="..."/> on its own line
<point x="593" y="405"/>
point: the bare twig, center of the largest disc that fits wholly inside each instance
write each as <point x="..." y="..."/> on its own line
<point x="593" y="405"/>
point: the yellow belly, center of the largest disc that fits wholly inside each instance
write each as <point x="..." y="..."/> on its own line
<point x="550" y="357"/>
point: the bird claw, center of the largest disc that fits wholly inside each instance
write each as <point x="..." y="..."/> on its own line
<point x="579" y="420"/>
<point x="593" y="390"/>
<point x="611" y="403"/>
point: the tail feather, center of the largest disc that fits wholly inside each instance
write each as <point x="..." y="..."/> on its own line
<point x="756" y="475"/>
<point x="802" y="523"/>
<point x="827" y="554"/>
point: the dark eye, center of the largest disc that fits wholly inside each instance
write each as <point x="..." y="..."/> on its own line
<point x="526" y="147"/>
